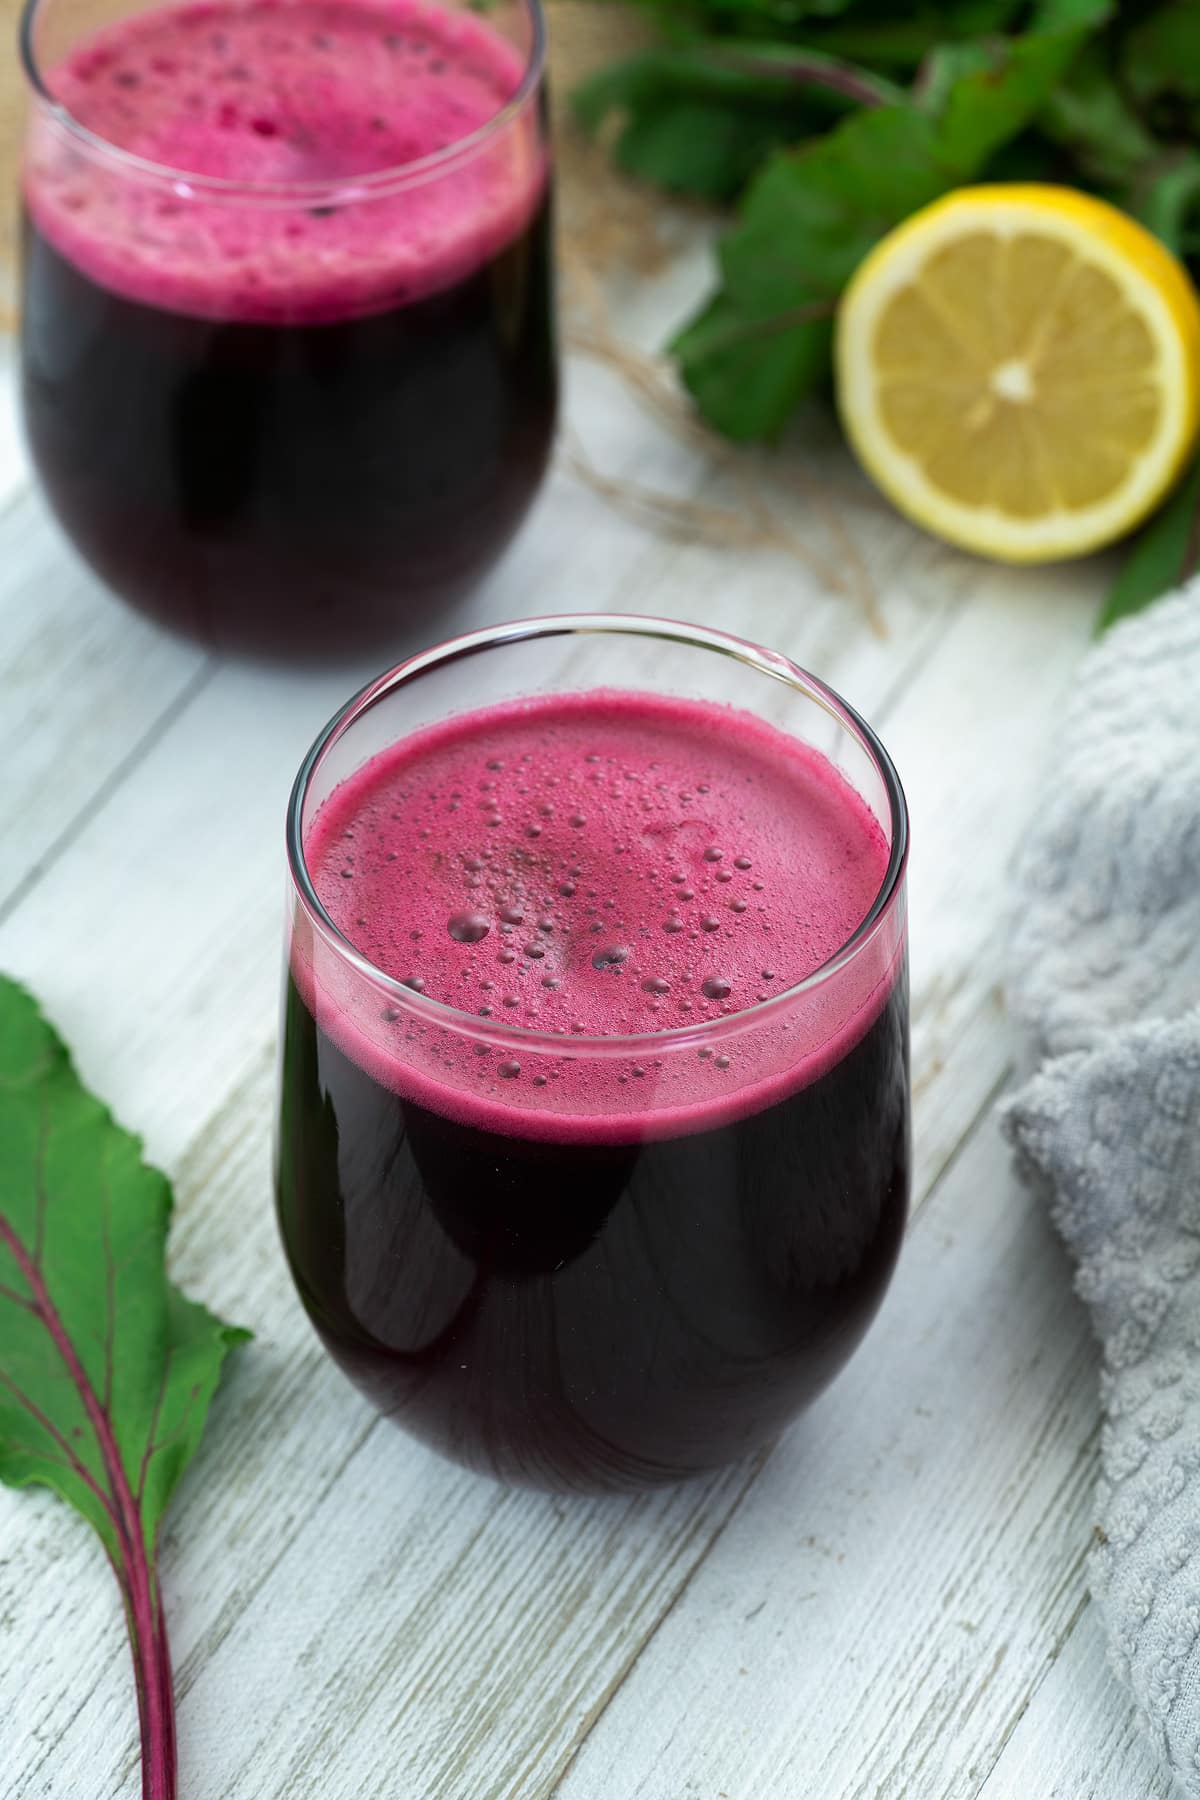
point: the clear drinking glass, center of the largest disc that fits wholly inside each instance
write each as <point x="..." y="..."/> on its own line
<point x="590" y="1261"/>
<point x="289" y="370"/>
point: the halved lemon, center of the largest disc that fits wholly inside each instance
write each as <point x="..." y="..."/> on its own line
<point x="1018" y="369"/>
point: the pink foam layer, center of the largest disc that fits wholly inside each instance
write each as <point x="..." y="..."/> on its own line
<point x="285" y="92"/>
<point x="598" y="864"/>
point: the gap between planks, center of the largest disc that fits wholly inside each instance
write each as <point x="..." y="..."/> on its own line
<point x="1056" y="1649"/>
<point x="100" y="796"/>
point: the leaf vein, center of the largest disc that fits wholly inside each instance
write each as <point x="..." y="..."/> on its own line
<point x="47" y="1424"/>
<point x="109" y="1289"/>
<point x="151" y="1447"/>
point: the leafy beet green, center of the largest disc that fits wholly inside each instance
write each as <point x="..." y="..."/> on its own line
<point x="106" y="1369"/>
<point x="1166" y="552"/>
<point x="828" y="121"/>
<point x="699" y="118"/>
<point x="812" y="214"/>
<point x="1162" y="61"/>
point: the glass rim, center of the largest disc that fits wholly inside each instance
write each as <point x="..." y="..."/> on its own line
<point x="373" y="184"/>
<point x="770" y="663"/>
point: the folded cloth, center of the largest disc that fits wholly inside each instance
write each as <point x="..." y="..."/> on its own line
<point x="1105" y="975"/>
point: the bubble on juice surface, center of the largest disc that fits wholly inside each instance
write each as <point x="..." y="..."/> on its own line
<point x="311" y="106"/>
<point x="468" y="927"/>
<point x="561" y="909"/>
<point x="610" y="957"/>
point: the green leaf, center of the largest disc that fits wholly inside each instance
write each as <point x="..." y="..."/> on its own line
<point x="782" y="70"/>
<point x="902" y="43"/>
<point x="787" y="12"/>
<point x="1059" y="15"/>
<point x="976" y="18"/>
<point x="751" y="15"/>
<point x="106" y="1370"/>
<point x="699" y="118"/>
<point x="806" y="221"/>
<point x="694" y="147"/>
<point x="1168" y="203"/>
<point x="750" y="375"/>
<point x="1166" y="553"/>
<point x="990" y="104"/>
<point x="1161" y="56"/>
<point x="1088" y="115"/>
<point x="811" y="216"/>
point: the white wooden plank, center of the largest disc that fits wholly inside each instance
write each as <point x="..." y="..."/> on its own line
<point x="321" y="1566"/>
<point x="14" y="458"/>
<point x="84" y="686"/>
<point x="1078" y="1739"/>
<point x="577" y="553"/>
<point x="971" y="739"/>
<point x="176" y="884"/>
<point x="868" y="1622"/>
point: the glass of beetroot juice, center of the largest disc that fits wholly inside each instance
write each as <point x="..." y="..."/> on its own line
<point x="289" y="371"/>
<point x="593" y="1149"/>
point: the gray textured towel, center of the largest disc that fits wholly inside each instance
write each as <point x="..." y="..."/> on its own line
<point x="1105" y="974"/>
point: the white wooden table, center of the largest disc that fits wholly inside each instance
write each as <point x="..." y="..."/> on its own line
<point x="889" y="1604"/>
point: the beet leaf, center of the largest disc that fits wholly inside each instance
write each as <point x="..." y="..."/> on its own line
<point x="106" y="1369"/>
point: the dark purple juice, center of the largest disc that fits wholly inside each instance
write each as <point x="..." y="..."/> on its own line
<point x="290" y="427"/>
<point x="595" y="1258"/>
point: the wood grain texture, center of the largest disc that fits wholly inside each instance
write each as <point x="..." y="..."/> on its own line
<point x="1077" y="1739"/>
<point x="910" y="1552"/>
<point x="86" y="692"/>
<point x="14" y="464"/>
<point x="891" y="1603"/>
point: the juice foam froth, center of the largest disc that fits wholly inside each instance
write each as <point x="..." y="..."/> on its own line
<point x="598" y="865"/>
<point x="282" y="92"/>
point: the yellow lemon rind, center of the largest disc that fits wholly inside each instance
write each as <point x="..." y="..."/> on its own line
<point x="1152" y="281"/>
